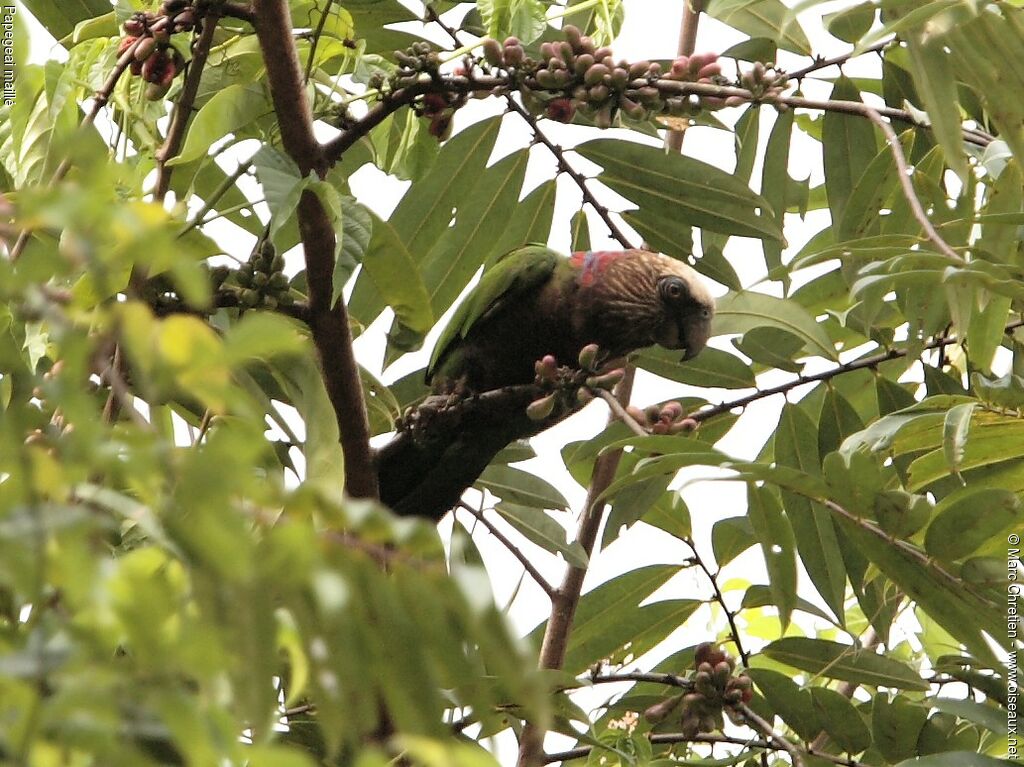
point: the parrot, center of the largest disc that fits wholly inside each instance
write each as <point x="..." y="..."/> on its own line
<point x="531" y="303"/>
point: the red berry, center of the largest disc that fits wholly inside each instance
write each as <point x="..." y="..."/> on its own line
<point x="562" y="110"/>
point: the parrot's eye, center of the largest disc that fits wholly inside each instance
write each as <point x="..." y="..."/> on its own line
<point x="672" y="288"/>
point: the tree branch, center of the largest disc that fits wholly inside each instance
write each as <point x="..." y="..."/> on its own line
<point x="183" y="106"/>
<point x="847" y="367"/>
<point x="823" y="63"/>
<point x="766" y="729"/>
<point x="241" y="11"/>
<point x="620" y="412"/>
<point x="512" y="549"/>
<point x="908" y="186"/>
<point x="328" y="319"/>
<point x="687" y="44"/>
<point x="567" y="597"/>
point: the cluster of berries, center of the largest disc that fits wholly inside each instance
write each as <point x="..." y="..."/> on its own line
<point x="577" y="75"/>
<point x="714" y="690"/>
<point x="582" y="380"/>
<point x="259" y="282"/>
<point x="439" y="106"/>
<point x="148" y="34"/>
<point x="663" y="419"/>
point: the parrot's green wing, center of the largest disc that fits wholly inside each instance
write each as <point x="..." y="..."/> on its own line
<point x="516" y="273"/>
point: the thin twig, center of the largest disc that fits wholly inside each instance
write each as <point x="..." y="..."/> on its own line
<point x="670" y="680"/>
<point x="919" y="556"/>
<point x="766" y="729"/>
<point x="720" y="599"/>
<point x="620" y="412"/>
<point x="565" y="167"/>
<point x="120" y="399"/>
<point x="908" y="185"/>
<point x="826" y="375"/>
<point x="559" y="154"/>
<point x="315" y="41"/>
<point x="184" y="104"/>
<point x="512" y="549"/>
<point x="823" y="63"/>
<point x="199" y="219"/>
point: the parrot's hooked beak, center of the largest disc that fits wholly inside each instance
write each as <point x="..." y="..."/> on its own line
<point x="695" y="337"/>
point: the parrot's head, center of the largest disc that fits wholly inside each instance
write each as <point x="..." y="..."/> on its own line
<point x="687" y="307"/>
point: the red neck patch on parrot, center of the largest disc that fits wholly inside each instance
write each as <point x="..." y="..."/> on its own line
<point x="592" y="262"/>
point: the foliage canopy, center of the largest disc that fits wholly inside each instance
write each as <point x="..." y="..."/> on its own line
<point x="186" y="579"/>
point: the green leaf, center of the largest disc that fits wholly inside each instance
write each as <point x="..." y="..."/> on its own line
<point x="896" y="726"/>
<point x="772" y="347"/>
<point x="990" y="717"/>
<point x="352" y="227"/>
<point x="461" y="249"/>
<point x="760" y="596"/>
<point x="746" y="310"/>
<point x="762" y="18"/>
<point x="530" y="221"/>
<point x="775" y="182"/>
<point x="580" y="232"/>
<point x="681" y="187"/>
<point x="851" y="24"/>
<point x="796" y="447"/>
<point x="537" y="526"/>
<point x="953" y="759"/>
<point x="712" y="367"/>
<point x="231" y="109"/>
<point x="396" y="278"/>
<point x="959" y="610"/>
<point x="282" y="183"/>
<point x="954" y="433"/>
<point x="932" y="70"/>
<point x="874" y="187"/>
<point x="730" y="537"/>
<point x="602" y="606"/>
<point x="745" y="134"/>
<point x="627" y="634"/>
<point x="671" y="514"/>
<point x="775" y="535"/>
<point x="518" y="486"/>
<point x="793" y="703"/>
<point x="424" y="213"/>
<point x="668" y="235"/>
<point x="262" y="335"/>
<point x="849" y="146"/>
<point x="985" y="329"/>
<point x="968" y="518"/>
<point x="524" y="19"/>
<point x="841" y="720"/>
<point x="60" y="16"/>
<point x="844" y="662"/>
